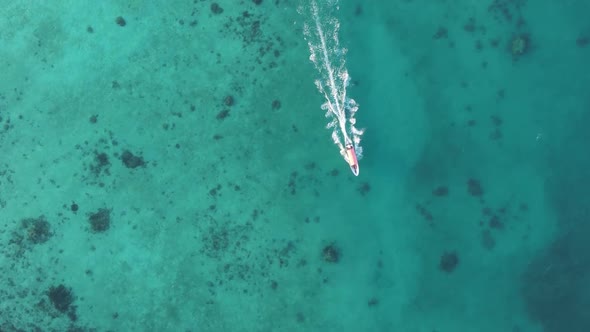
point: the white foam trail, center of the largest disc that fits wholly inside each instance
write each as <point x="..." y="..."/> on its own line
<point x="329" y="59"/>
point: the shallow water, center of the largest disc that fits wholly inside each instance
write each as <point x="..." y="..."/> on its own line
<point x="167" y="168"/>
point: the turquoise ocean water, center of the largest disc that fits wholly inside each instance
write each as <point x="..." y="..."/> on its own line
<point x="166" y="167"/>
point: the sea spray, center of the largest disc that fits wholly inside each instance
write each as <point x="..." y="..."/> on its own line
<point x="329" y="58"/>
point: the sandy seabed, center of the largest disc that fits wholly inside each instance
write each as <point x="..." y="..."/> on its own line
<point x="166" y="168"/>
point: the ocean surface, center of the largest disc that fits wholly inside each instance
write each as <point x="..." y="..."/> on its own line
<point x="165" y="166"/>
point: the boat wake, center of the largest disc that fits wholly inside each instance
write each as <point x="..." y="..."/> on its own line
<point x="321" y="33"/>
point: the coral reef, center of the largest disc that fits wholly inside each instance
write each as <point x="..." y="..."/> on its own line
<point x="38" y="229"/>
<point x="448" y="261"/>
<point x="331" y="253"/>
<point x="100" y="221"/>
<point x="520" y="45"/>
